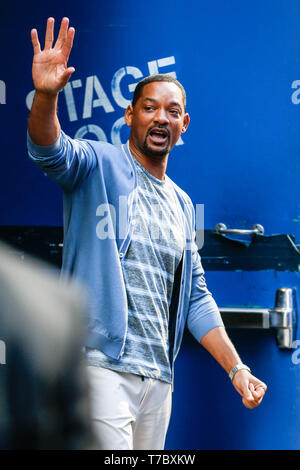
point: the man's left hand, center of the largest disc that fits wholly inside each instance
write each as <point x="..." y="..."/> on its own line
<point x="249" y="387"/>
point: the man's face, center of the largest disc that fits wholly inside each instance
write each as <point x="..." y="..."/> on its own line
<point x="158" y="119"/>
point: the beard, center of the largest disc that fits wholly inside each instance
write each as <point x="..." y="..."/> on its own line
<point x="152" y="152"/>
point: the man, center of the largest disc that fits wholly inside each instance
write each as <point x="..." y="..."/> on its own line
<point x="139" y="263"/>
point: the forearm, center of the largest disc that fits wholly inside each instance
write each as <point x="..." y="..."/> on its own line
<point x="43" y="123"/>
<point x="218" y="344"/>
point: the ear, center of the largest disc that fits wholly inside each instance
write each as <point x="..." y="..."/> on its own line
<point x="128" y="115"/>
<point x="186" y="121"/>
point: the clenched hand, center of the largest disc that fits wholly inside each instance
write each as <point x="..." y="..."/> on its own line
<point x="250" y="388"/>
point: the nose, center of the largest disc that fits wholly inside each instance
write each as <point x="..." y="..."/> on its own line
<point x="161" y="116"/>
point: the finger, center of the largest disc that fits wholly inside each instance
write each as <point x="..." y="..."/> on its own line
<point x="260" y="389"/>
<point x="67" y="74"/>
<point x="261" y="385"/>
<point x="257" y="399"/>
<point x="248" y="393"/>
<point x="249" y="404"/>
<point x="258" y="402"/>
<point x="259" y="393"/>
<point x="68" y="43"/>
<point x="49" y="33"/>
<point x="62" y="35"/>
<point x="35" y="41"/>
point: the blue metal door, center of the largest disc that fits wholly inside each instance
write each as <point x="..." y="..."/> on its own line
<point x="239" y="63"/>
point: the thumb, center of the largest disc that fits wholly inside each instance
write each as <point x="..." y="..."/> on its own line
<point x="67" y="74"/>
<point x="247" y="392"/>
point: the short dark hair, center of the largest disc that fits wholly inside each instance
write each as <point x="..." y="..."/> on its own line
<point x="160" y="77"/>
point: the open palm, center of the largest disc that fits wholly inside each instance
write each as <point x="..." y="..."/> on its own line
<point x="49" y="69"/>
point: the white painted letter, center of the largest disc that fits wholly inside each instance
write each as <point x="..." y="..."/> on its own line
<point x="155" y="65"/>
<point x="93" y="84"/>
<point x="116" y="130"/>
<point x="116" y="84"/>
<point x="93" y="129"/>
<point x="29" y="99"/>
<point x="70" y="102"/>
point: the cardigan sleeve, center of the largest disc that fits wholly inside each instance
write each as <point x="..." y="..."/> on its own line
<point x="203" y="313"/>
<point x="67" y="162"/>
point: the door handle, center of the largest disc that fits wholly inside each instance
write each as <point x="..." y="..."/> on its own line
<point x="221" y="229"/>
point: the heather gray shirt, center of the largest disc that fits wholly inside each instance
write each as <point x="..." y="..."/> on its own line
<point x="149" y="267"/>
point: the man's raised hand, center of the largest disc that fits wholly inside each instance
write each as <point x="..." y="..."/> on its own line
<point x="49" y="69"/>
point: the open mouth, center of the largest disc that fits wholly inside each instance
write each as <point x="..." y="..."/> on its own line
<point x="159" y="136"/>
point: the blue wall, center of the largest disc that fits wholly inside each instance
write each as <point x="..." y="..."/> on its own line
<point x="240" y="64"/>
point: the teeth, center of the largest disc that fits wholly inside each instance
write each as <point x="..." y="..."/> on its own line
<point x="159" y="133"/>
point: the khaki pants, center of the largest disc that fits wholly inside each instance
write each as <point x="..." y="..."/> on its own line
<point x="128" y="412"/>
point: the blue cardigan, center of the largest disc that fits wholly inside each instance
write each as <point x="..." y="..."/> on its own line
<point x="98" y="180"/>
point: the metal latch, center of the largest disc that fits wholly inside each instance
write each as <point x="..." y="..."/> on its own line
<point x="222" y="229"/>
<point x="282" y="318"/>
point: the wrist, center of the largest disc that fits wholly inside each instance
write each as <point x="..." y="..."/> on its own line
<point x="237" y="368"/>
<point x="46" y="95"/>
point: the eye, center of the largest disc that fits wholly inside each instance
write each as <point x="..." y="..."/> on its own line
<point x="175" y="112"/>
<point x="148" y="108"/>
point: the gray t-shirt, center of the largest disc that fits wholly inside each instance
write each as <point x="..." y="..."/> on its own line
<point x="149" y="267"/>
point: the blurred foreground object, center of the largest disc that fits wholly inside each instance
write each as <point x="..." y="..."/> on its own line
<point x="43" y="387"/>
